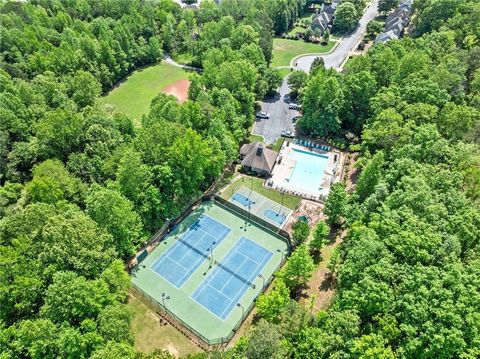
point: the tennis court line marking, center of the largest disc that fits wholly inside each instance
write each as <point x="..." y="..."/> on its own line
<point x="242" y="290"/>
<point x="177" y="263"/>
<point x="200" y="258"/>
<point x="181" y="241"/>
<point x="232" y="276"/>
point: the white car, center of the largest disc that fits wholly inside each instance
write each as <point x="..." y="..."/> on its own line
<point x="294" y="106"/>
<point x="262" y="114"/>
<point x="288" y="134"/>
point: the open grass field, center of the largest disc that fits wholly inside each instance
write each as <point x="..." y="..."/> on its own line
<point x="285" y="50"/>
<point x="150" y="333"/>
<point x="134" y="95"/>
<point x="256" y="184"/>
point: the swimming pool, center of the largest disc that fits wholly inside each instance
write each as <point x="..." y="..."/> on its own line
<point x="308" y="172"/>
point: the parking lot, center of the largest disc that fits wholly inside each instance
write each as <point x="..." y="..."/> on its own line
<point x="280" y="116"/>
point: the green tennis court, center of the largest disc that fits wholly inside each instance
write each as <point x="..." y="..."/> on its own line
<point x="220" y="262"/>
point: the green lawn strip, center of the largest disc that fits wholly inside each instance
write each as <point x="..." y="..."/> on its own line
<point x="348" y="63"/>
<point x="289" y="200"/>
<point x="285" y="50"/>
<point x="278" y="144"/>
<point x="150" y="334"/>
<point x="134" y="95"/>
<point x="255" y="138"/>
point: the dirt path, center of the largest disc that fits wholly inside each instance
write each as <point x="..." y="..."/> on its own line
<point x="320" y="289"/>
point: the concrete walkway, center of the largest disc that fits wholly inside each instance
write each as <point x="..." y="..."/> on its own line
<point x="347" y="44"/>
<point x="172" y="62"/>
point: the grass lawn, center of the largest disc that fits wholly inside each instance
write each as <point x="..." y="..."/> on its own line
<point x="134" y="95"/>
<point x="255" y="138"/>
<point x="278" y="144"/>
<point x="348" y="63"/>
<point x="296" y="29"/>
<point x="285" y="50"/>
<point x="150" y="334"/>
<point x="308" y="15"/>
<point x="285" y="72"/>
<point x="288" y="201"/>
<point x="185" y="58"/>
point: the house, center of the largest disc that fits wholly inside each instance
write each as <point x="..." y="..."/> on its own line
<point x="396" y="25"/>
<point x="257" y="158"/>
<point x="396" y="22"/>
<point x="385" y="36"/>
<point x="322" y="21"/>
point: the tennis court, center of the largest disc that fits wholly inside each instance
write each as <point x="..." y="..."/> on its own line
<point x="227" y="283"/>
<point x="277" y="217"/>
<point x="261" y="206"/>
<point x="205" y="273"/>
<point x="190" y="251"/>
<point x="243" y="200"/>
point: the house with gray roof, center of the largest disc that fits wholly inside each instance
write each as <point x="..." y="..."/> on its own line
<point x="257" y="158"/>
<point x="386" y="36"/>
<point x="323" y="20"/>
<point x="396" y="22"/>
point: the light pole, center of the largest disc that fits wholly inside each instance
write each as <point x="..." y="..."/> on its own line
<point x="281" y="205"/>
<point x="211" y="254"/>
<point x="243" y="310"/>
<point x="164" y="298"/>
<point x="263" y="279"/>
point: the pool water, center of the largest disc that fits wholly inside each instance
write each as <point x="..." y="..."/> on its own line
<point x="308" y="171"/>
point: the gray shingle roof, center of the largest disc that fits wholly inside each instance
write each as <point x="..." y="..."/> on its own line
<point x="260" y="157"/>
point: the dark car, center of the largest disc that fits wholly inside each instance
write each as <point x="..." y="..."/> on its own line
<point x="262" y="114"/>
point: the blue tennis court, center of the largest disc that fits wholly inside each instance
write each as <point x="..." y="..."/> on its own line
<point x="179" y="262"/>
<point x="244" y="200"/>
<point x="275" y="216"/>
<point x="227" y="283"/>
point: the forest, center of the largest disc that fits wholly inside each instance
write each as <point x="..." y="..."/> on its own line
<point x="407" y="272"/>
<point x="82" y="188"/>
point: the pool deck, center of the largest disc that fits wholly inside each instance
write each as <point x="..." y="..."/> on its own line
<point x="283" y="171"/>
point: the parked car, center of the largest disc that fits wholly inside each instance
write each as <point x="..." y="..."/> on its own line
<point x="262" y="114"/>
<point x="296" y="118"/>
<point x="294" y="106"/>
<point x="288" y="134"/>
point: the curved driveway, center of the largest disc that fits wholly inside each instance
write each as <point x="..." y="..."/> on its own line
<point x="347" y="44"/>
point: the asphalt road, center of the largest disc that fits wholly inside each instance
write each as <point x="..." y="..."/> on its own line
<point x="280" y="115"/>
<point x="347" y="44"/>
